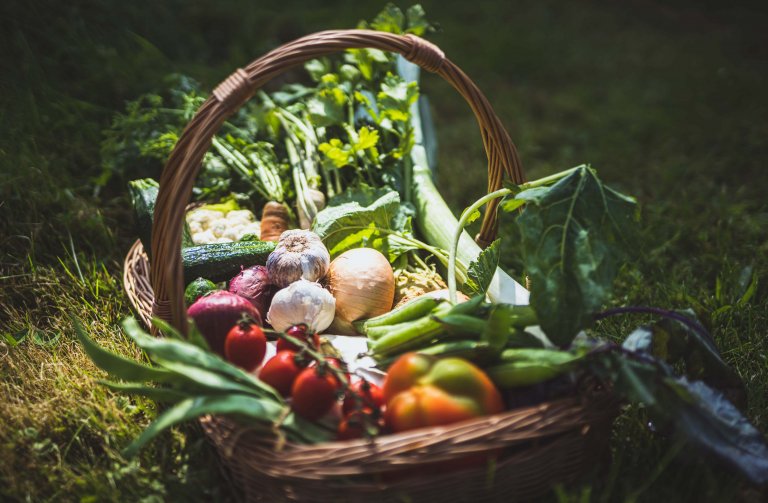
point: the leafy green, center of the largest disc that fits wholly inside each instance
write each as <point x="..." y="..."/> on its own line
<point x="575" y="236"/>
<point x="691" y="410"/>
<point x="368" y="217"/>
<point x="674" y="342"/>
<point x="119" y="366"/>
<point x="481" y="271"/>
<point x="261" y="412"/>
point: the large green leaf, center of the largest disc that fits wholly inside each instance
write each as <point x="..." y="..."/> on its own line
<point x="263" y="412"/>
<point x="574" y="238"/>
<point x="182" y="352"/>
<point x="372" y="218"/>
<point x="690" y="410"/>
<point x="118" y="366"/>
<point x="673" y="341"/>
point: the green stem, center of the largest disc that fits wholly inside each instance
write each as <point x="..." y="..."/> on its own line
<point x="408" y="177"/>
<point x="240" y="163"/>
<point x="457" y="235"/>
<point x="547" y="180"/>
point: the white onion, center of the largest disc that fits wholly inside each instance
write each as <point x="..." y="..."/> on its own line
<point x="302" y="302"/>
<point x="363" y="284"/>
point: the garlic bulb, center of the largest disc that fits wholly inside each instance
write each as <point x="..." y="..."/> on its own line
<point x="302" y="302"/>
<point x="299" y="254"/>
<point x="363" y="284"/>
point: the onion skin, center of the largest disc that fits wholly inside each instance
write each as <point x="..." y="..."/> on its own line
<point x="217" y="313"/>
<point x="253" y="284"/>
<point x="363" y="283"/>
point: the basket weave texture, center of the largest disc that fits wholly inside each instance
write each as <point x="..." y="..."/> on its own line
<point x="538" y="446"/>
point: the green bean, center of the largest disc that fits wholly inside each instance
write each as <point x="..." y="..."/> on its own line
<point x="496" y="331"/>
<point x="476" y="351"/>
<point x="406" y="336"/>
<point x="552" y="356"/>
<point x="409" y="311"/>
<point x="523" y="373"/>
<point x="462" y="324"/>
<point x="527" y="366"/>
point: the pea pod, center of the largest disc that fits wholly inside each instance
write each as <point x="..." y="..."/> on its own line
<point x="496" y="330"/>
<point x="406" y="336"/>
<point x="462" y="324"/>
<point x="472" y="350"/>
<point x="526" y="366"/>
<point x="409" y="311"/>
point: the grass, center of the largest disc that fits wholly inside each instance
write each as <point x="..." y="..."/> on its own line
<point x="666" y="101"/>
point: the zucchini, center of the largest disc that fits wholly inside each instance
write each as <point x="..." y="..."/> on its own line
<point x="221" y="261"/>
<point x="143" y="193"/>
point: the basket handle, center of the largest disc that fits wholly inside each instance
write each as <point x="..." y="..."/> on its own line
<point x="184" y="162"/>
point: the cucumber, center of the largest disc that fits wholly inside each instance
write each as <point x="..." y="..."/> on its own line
<point x="222" y="261"/>
<point x="143" y="193"/>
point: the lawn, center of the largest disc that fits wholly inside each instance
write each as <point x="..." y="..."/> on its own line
<point x="666" y="100"/>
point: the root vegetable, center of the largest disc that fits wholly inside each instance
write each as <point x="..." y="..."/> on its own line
<point x="274" y="221"/>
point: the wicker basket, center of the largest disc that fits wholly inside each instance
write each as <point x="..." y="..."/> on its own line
<point x="539" y="446"/>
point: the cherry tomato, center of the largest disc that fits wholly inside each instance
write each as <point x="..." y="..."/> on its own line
<point x="354" y="425"/>
<point x="280" y="371"/>
<point x="337" y="363"/>
<point x="299" y="331"/>
<point x="314" y="392"/>
<point x="245" y="345"/>
<point x="361" y="394"/>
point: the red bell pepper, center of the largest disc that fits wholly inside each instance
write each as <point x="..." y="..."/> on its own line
<point x="421" y="390"/>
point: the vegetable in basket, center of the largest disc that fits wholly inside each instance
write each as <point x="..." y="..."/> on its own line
<point x="253" y="283"/>
<point x="300" y="254"/>
<point x="245" y="345"/>
<point x="302" y="302"/>
<point x="421" y="390"/>
<point x="362" y="282"/>
<point x="221" y="261"/>
<point x="197" y="289"/>
<point x="217" y="313"/>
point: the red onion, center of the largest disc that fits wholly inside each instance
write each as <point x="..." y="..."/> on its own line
<point x="253" y="284"/>
<point x="217" y="313"/>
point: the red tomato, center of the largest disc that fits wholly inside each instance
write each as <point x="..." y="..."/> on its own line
<point x="337" y="363"/>
<point x="300" y="332"/>
<point x="245" y="345"/>
<point x="314" y="392"/>
<point x="353" y="425"/>
<point x="362" y="394"/>
<point x="280" y="372"/>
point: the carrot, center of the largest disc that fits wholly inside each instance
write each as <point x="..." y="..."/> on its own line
<point x="274" y="221"/>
